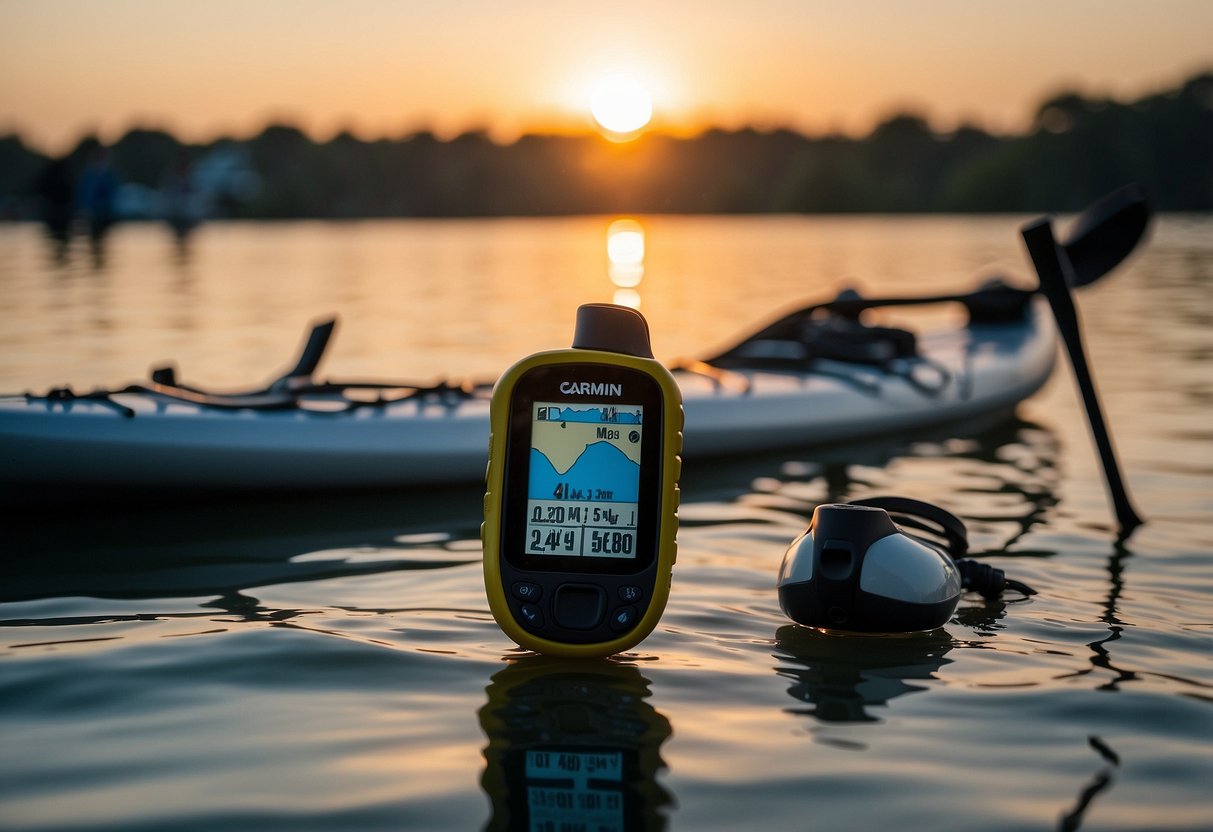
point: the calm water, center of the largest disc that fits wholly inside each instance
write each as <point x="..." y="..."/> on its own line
<point x="330" y="663"/>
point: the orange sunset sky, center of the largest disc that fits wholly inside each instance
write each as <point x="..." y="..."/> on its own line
<point x="382" y="68"/>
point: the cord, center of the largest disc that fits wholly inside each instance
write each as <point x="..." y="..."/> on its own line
<point x="947" y="530"/>
<point x="988" y="580"/>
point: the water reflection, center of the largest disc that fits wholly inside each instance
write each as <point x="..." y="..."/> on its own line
<point x="572" y="746"/>
<point x="1072" y="820"/>
<point x="1007" y="467"/>
<point x="216" y="547"/>
<point x="625" y="255"/>
<point x="1101" y="655"/>
<point x="842" y="676"/>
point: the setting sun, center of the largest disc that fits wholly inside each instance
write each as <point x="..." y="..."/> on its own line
<point x="621" y="104"/>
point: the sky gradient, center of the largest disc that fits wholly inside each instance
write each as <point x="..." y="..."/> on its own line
<point x="382" y="68"/>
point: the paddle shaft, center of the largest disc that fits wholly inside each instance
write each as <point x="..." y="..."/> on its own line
<point x="1052" y="267"/>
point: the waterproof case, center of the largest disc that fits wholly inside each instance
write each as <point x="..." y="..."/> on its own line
<point x="580" y="509"/>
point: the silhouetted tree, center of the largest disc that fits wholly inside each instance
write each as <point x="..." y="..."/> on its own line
<point x="1076" y="148"/>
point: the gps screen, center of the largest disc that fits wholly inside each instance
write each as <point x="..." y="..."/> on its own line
<point x="584" y="482"/>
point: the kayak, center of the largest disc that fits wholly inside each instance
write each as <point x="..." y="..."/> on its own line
<point x="769" y="395"/>
<point x="815" y="376"/>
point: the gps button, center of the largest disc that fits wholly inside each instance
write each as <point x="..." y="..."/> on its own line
<point x="623" y="618"/>
<point x="530" y="616"/>
<point x="525" y="591"/>
<point x="579" y="606"/>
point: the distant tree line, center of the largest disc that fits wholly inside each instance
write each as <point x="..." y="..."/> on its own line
<point x="1076" y="149"/>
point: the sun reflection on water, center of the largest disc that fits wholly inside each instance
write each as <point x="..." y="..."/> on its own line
<point x="625" y="255"/>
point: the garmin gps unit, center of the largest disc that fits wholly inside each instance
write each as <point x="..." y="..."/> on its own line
<point x="582" y="495"/>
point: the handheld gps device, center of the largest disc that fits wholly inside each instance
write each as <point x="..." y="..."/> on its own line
<point x="580" y="511"/>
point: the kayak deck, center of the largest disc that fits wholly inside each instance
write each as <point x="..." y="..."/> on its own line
<point x="964" y="373"/>
<point x="960" y="374"/>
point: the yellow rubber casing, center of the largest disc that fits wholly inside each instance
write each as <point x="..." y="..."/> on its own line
<point x="671" y="468"/>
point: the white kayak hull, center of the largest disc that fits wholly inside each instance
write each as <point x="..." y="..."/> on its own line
<point x="84" y="444"/>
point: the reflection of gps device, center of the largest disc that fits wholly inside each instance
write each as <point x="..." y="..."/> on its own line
<point x="581" y="508"/>
<point x="572" y="745"/>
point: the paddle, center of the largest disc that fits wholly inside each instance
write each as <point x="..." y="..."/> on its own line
<point x="1101" y="237"/>
<point x="1106" y="233"/>
<point x="1056" y="279"/>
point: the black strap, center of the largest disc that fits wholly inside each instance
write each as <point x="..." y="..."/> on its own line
<point x="924" y="517"/>
<point x="937" y="522"/>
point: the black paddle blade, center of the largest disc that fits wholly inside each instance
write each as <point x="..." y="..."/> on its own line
<point x="1055" y="284"/>
<point x="1106" y="233"/>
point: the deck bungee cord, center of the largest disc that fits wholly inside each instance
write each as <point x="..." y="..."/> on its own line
<point x="822" y="341"/>
<point x="296" y="389"/>
<point x="332" y="398"/>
